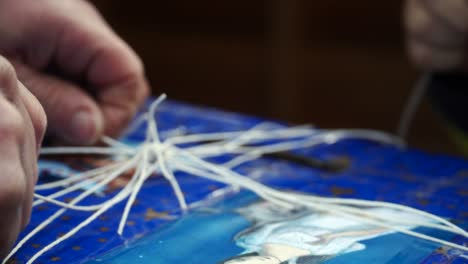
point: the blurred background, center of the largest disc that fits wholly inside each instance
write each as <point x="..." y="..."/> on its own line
<point x="331" y="63"/>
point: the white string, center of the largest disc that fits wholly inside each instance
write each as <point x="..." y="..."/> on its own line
<point x="85" y="208"/>
<point x="148" y="155"/>
<point x="153" y="130"/>
<point x="116" y="144"/>
<point x="260" y="190"/>
<point x="140" y="174"/>
<point x="90" y="219"/>
<point x="280" y="133"/>
<point x="72" y="188"/>
<point x="140" y="179"/>
<point x="412" y="105"/>
<point x="128" y="165"/>
<point x="257" y="188"/>
<point x="76" y="177"/>
<point x="116" y="199"/>
<point x="229" y="181"/>
<point x="85" y="150"/>
<point x="357" y="202"/>
<point x="166" y="157"/>
<point x="383" y="224"/>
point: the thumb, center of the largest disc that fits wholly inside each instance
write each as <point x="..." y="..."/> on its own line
<point x="73" y="115"/>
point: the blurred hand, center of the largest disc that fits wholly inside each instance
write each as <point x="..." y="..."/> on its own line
<point x="437" y="33"/>
<point x="87" y="79"/>
<point x="22" y="126"/>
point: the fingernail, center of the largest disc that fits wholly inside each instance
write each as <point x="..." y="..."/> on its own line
<point x="84" y="127"/>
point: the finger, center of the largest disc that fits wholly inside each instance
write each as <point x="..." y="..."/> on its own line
<point x="435" y="41"/>
<point x="73" y="116"/>
<point x="12" y="178"/>
<point x="85" y="48"/>
<point x="426" y="24"/>
<point x="453" y="13"/>
<point x="35" y="123"/>
<point x="90" y="50"/>
<point x="431" y="58"/>
<point x="36" y="113"/>
<point x="8" y="80"/>
<point x="17" y="124"/>
<point x="119" y="103"/>
<point x="116" y="77"/>
<point x="28" y="156"/>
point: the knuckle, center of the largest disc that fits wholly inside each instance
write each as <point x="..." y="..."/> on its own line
<point x="39" y="118"/>
<point x="42" y="124"/>
<point x="8" y="79"/>
<point x="13" y="186"/>
<point x="11" y="123"/>
<point x="6" y="67"/>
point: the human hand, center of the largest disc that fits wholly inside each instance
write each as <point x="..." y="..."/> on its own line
<point x="22" y="127"/>
<point x="436" y="34"/>
<point x="87" y="79"/>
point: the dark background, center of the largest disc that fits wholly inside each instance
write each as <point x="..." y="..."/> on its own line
<point x="333" y="63"/>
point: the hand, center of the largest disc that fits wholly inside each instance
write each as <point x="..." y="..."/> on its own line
<point x="87" y="79"/>
<point x="436" y="33"/>
<point x="22" y="126"/>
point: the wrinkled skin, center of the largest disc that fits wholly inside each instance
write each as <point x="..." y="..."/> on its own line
<point x="87" y="58"/>
<point x="22" y="127"/>
<point x="58" y="58"/>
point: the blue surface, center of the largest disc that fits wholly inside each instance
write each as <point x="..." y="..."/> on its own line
<point x="435" y="183"/>
<point x="204" y="237"/>
<point x="197" y="237"/>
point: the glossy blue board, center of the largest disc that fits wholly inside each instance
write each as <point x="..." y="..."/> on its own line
<point x="234" y="227"/>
